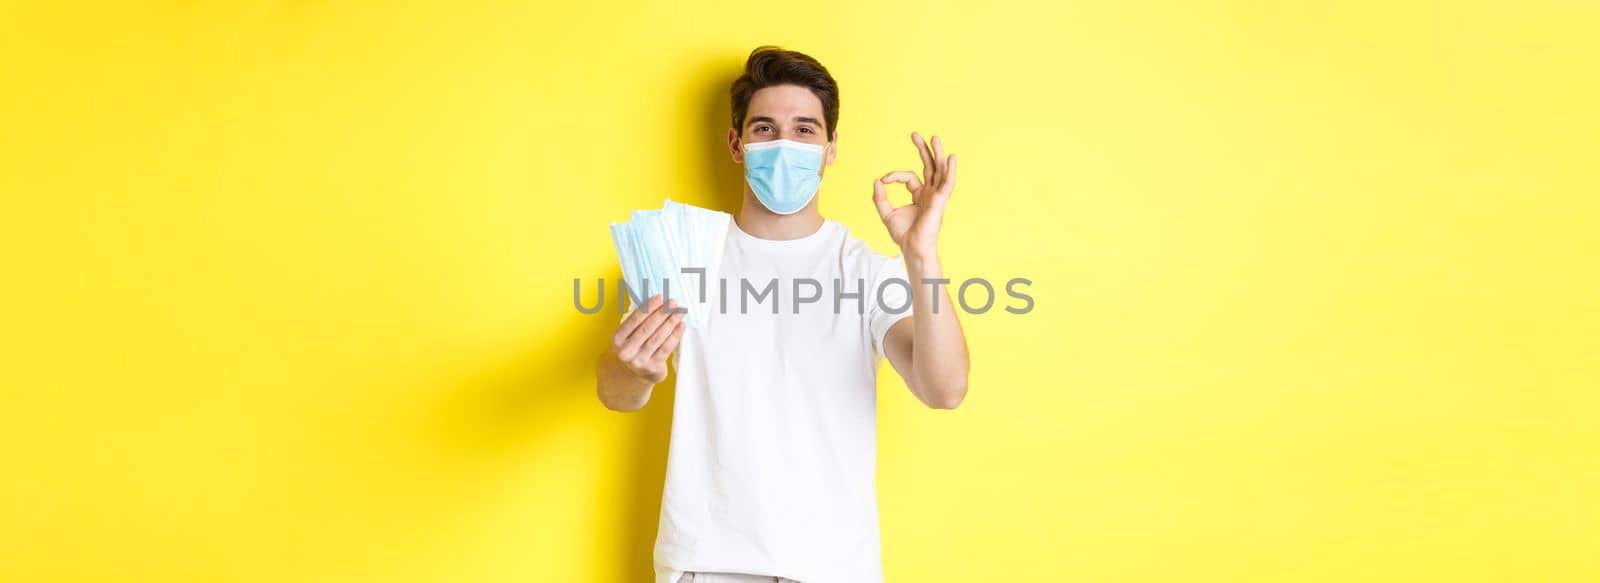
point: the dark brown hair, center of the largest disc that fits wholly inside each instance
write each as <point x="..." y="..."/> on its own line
<point x="769" y="66"/>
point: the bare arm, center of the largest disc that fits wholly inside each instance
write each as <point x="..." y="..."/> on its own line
<point x="928" y="349"/>
<point x="636" y="359"/>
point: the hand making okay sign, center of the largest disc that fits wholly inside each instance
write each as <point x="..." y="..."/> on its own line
<point x="915" y="227"/>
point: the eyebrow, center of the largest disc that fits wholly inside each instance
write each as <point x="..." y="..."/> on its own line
<point x="763" y="118"/>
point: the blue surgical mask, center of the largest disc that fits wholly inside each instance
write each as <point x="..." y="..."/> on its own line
<point x="655" y="247"/>
<point x="783" y="173"/>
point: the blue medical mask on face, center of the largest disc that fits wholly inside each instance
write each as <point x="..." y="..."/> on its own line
<point x="783" y="173"/>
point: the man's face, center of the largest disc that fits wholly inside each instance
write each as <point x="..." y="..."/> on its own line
<point x="782" y="112"/>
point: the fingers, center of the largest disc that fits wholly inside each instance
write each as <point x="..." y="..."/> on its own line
<point x="672" y="342"/>
<point x="880" y="199"/>
<point x="905" y="177"/>
<point x="937" y="197"/>
<point x="880" y="195"/>
<point x="635" y="341"/>
<point x="668" y="329"/>
<point x="938" y="174"/>
<point x="927" y="157"/>
<point x="633" y="320"/>
<point x="949" y="185"/>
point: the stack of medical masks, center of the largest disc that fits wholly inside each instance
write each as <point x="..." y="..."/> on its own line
<point x="657" y="245"/>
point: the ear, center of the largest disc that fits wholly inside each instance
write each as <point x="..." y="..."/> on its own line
<point x="733" y="146"/>
<point x="833" y="148"/>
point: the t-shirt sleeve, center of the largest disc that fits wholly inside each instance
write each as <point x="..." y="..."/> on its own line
<point x="888" y="299"/>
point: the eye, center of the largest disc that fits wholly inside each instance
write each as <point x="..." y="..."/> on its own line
<point x="763" y="128"/>
<point x="806" y="131"/>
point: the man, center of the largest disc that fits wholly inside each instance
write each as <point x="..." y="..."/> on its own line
<point x="771" y="467"/>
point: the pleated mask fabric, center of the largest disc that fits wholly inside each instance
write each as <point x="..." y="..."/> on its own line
<point x="655" y="247"/>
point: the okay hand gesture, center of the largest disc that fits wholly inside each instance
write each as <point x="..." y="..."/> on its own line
<point x="915" y="227"/>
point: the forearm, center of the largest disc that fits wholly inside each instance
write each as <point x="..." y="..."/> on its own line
<point x="618" y="388"/>
<point x="939" y="359"/>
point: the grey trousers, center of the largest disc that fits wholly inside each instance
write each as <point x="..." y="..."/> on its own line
<point x="693" y="577"/>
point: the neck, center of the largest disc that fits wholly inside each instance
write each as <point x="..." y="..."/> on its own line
<point x="758" y="221"/>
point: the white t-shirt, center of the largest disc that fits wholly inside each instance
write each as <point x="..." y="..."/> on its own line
<point x="772" y="465"/>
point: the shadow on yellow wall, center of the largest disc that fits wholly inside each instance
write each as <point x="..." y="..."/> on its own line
<point x="515" y="405"/>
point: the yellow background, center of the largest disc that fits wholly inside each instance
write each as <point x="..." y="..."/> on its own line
<point x="287" y="285"/>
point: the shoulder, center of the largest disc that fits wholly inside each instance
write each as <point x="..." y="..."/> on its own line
<point x="857" y="256"/>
